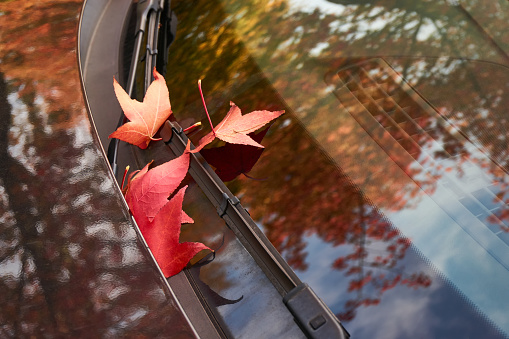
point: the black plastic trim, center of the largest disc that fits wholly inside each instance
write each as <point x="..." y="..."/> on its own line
<point x="312" y="315"/>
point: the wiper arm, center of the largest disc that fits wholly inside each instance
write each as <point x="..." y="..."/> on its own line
<point x="312" y="315"/>
<point x="154" y="15"/>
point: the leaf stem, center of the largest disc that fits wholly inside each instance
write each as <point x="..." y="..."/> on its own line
<point x="205" y="106"/>
<point x="123" y="178"/>
<point x="198" y="124"/>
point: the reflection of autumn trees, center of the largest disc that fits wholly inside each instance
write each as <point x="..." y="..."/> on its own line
<point x="41" y="51"/>
<point x="286" y="51"/>
<point x="473" y="98"/>
<point x="306" y="201"/>
<point x="427" y="27"/>
<point x="235" y="45"/>
<point x="491" y="16"/>
<point x="74" y="264"/>
<point x="70" y="264"/>
<point x="326" y="203"/>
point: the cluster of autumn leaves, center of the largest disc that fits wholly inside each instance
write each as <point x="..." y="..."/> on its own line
<point x="147" y="191"/>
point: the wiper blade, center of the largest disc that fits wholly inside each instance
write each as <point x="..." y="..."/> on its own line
<point x="167" y="31"/>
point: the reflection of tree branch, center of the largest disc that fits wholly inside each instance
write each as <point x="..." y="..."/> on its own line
<point x="412" y="46"/>
<point x="425" y="9"/>
<point x="444" y="37"/>
<point x="363" y="16"/>
<point x="21" y="284"/>
<point x="27" y="230"/>
<point x="9" y="253"/>
<point x="4" y="232"/>
<point x="13" y="178"/>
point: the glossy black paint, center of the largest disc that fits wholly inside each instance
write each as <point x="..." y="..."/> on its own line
<point x="71" y="262"/>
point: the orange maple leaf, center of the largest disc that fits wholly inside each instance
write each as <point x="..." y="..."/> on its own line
<point x="235" y="127"/>
<point x="145" y="117"/>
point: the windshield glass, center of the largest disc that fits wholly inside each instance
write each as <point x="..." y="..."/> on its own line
<point x="384" y="184"/>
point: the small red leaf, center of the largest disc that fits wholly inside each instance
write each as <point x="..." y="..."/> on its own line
<point x="235" y="127"/>
<point x="145" y="117"/>
<point x="149" y="190"/>
<point x="162" y="237"/>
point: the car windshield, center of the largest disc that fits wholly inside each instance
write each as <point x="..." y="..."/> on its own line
<point x="384" y="185"/>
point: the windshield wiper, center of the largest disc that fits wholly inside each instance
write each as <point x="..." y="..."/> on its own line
<point x="312" y="315"/>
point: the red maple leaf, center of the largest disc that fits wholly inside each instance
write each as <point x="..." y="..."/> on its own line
<point x="162" y="237"/>
<point x="149" y="190"/>
<point x="186" y="219"/>
<point x="235" y="127"/>
<point x="231" y="160"/>
<point x="145" y="117"/>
